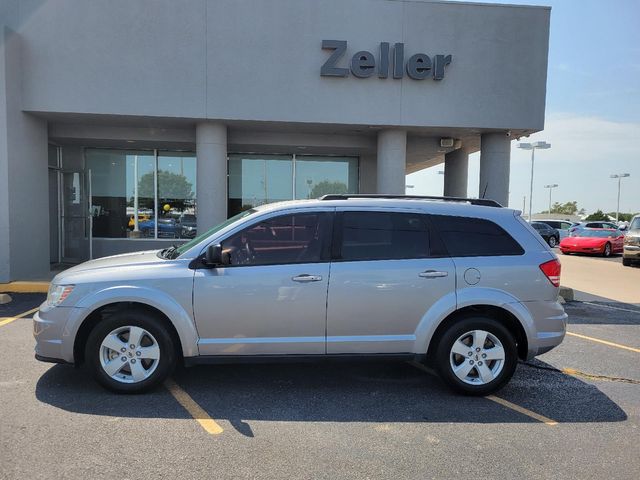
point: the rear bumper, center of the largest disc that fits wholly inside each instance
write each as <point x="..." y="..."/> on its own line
<point x="550" y="326"/>
<point x="631" y="251"/>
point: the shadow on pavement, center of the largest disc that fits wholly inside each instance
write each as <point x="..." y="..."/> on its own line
<point x="602" y="311"/>
<point x="333" y="392"/>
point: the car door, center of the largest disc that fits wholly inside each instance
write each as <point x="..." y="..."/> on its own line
<point x="271" y="299"/>
<point x="385" y="275"/>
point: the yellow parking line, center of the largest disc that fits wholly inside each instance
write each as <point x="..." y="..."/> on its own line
<point x="501" y="401"/>
<point x="519" y="409"/>
<point x="604" y="342"/>
<point x="195" y="410"/>
<point x="6" y="320"/>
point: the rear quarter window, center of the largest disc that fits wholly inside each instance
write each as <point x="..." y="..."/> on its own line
<point x="474" y="237"/>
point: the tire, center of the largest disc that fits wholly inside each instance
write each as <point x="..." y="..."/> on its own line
<point x="151" y="360"/>
<point x="456" y="336"/>
<point x="552" y="241"/>
<point x="607" y="250"/>
<point x="626" y="262"/>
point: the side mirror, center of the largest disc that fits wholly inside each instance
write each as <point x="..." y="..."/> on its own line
<point x="213" y="255"/>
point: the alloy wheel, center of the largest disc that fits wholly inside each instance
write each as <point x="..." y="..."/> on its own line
<point x="129" y="354"/>
<point x="477" y="357"/>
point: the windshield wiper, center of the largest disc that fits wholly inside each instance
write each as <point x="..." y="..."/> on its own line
<point x="170" y="253"/>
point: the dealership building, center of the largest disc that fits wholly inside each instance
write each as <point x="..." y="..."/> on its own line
<point x="129" y="125"/>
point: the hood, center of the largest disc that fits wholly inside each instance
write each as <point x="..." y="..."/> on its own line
<point x="585" y="241"/>
<point x="125" y="260"/>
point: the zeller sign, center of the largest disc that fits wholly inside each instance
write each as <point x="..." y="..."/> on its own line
<point x="363" y="63"/>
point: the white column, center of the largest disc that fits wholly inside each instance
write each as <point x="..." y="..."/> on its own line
<point x="456" y="172"/>
<point x="211" y="180"/>
<point x="495" y="158"/>
<point x="392" y="161"/>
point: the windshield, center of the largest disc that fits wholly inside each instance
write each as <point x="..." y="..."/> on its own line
<point x="635" y="225"/>
<point x="598" y="233"/>
<point x="183" y="248"/>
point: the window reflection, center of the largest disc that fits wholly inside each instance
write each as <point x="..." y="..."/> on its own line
<point x="258" y="179"/>
<point x="318" y="176"/>
<point x="123" y="184"/>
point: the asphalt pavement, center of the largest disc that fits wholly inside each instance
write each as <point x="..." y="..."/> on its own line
<point x="572" y="413"/>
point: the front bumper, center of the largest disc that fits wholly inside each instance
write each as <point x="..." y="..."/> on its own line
<point x="54" y="342"/>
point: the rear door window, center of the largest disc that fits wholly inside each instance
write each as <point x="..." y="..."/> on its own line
<point x="474" y="237"/>
<point x="382" y="236"/>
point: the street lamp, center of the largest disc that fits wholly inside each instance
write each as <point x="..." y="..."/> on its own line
<point x="550" y="187"/>
<point x="533" y="146"/>
<point x="619" y="176"/>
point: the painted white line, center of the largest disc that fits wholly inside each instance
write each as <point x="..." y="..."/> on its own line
<point x="613" y="308"/>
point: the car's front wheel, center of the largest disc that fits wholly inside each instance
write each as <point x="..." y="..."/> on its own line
<point x="130" y="352"/>
<point x="476" y="356"/>
<point x="552" y="241"/>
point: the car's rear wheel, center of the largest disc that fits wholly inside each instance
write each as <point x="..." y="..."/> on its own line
<point x="626" y="262"/>
<point x="130" y="352"/>
<point x="552" y="241"/>
<point x="476" y="356"/>
<point x="607" y="250"/>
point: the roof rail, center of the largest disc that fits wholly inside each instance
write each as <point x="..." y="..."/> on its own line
<point x="473" y="201"/>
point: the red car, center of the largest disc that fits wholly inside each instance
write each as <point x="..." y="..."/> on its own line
<point x="600" y="241"/>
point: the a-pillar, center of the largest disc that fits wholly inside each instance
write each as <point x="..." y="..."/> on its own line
<point x="211" y="178"/>
<point x="391" y="162"/>
<point x="495" y="158"/>
<point x="456" y="172"/>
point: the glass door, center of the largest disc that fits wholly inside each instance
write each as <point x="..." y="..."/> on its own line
<point x="75" y="219"/>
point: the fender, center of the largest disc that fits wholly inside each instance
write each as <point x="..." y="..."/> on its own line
<point x="177" y="315"/>
<point x="468" y="297"/>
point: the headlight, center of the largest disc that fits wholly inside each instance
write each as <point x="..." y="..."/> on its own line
<point x="629" y="240"/>
<point x="58" y="293"/>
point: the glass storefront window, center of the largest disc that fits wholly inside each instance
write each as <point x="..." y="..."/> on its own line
<point x="318" y="176"/>
<point x="124" y="189"/>
<point x="258" y="179"/>
<point x="177" y="195"/>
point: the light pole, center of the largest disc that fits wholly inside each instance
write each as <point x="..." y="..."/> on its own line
<point x="533" y="146"/>
<point x="550" y="187"/>
<point x="619" y="176"/>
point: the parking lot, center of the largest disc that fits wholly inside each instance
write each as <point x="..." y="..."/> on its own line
<point x="572" y="413"/>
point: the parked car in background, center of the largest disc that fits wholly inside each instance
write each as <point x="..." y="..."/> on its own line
<point x="550" y="234"/>
<point x="562" y="226"/>
<point x="631" y="252"/>
<point x="594" y="241"/>
<point x="167" y="227"/>
<point x="141" y="218"/>
<point x="595" y="224"/>
<point x="465" y="285"/>
<point x="187" y="225"/>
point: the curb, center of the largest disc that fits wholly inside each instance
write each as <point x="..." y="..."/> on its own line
<point x="566" y="294"/>
<point x="24" y="287"/>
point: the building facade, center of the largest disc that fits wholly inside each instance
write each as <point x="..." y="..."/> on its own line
<point x="128" y="125"/>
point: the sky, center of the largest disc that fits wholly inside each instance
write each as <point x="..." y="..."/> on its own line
<point x="592" y="113"/>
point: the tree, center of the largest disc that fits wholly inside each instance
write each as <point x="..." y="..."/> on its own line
<point x="598" y="215"/>
<point x="569" y="208"/>
<point x="172" y="187"/>
<point x="326" y="187"/>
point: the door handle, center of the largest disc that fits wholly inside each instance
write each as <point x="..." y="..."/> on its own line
<point x="306" y="278"/>
<point x="432" y="274"/>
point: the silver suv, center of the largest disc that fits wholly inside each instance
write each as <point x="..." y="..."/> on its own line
<point x="463" y="284"/>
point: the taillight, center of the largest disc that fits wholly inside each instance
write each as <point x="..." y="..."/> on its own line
<point x="552" y="270"/>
